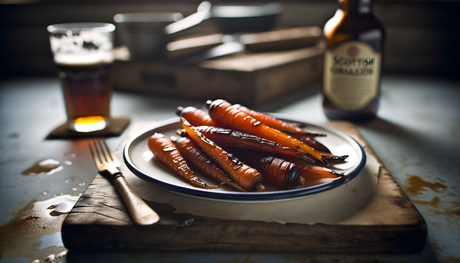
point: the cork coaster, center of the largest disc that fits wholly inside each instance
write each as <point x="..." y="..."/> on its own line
<point x="116" y="128"/>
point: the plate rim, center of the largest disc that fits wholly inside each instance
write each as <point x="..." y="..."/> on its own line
<point x="243" y="196"/>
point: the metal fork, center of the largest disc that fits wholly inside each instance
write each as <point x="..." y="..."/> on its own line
<point x="106" y="162"/>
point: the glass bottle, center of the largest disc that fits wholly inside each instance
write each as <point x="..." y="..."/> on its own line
<point x="352" y="62"/>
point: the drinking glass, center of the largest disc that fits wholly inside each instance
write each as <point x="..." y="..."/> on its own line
<point x="83" y="54"/>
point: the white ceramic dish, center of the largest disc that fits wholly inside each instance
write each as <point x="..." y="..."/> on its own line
<point x="141" y="162"/>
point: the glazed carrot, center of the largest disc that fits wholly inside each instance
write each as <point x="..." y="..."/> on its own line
<point x="246" y="176"/>
<point x="311" y="172"/>
<point x="230" y="138"/>
<point x="166" y="154"/>
<point x="314" y="144"/>
<point x="334" y="158"/>
<point x="201" y="162"/>
<point x="194" y="116"/>
<point x="305" y="136"/>
<point x="225" y="115"/>
<point x="272" y="121"/>
<point x="276" y="171"/>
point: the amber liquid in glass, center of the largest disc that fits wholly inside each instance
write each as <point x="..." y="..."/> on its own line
<point x="87" y="90"/>
<point x="353" y="21"/>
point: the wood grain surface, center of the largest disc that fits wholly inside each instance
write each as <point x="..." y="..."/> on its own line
<point x="390" y="223"/>
<point x="261" y="76"/>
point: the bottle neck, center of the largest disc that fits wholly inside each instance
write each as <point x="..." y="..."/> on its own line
<point x="355" y="6"/>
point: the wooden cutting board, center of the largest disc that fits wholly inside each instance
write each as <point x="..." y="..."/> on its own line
<point x="389" y="223"/>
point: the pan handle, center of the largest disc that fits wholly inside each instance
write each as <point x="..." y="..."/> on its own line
<point x="203" y="13"/>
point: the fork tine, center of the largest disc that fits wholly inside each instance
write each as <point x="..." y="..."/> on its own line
<point x="94" y="153"/>
<point x="104" y="145"/>
<point x="100" y="151"/>
<point x="110" y="155"/>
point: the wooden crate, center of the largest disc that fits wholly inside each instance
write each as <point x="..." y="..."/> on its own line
<point x="249" y="78"/>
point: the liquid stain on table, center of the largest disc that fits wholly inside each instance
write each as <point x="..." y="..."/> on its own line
<point x="48" y="166"/>
<point x="39" y="222"/>
<point x="417" y="187"/>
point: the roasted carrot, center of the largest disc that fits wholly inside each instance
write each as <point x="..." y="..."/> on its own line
<point x="311" y="172"/>
<point x="225" y="115"/>
<point x="230" y="138"/>
<point x="194" y="116"/>
<point x="276" y="171"/>
<point x="166" y="154"/>
<point x="334" y="158"/>
<point x="246" y="176"/>
<point x="201" y="162"/>
<point x="201" y="118"/>
<point x="305" y="136"/>
<point x="310" y="141"/>
<point x="272" y="121"/>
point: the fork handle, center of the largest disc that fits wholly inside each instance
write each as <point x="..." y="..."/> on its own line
<point x="140" y="212"/>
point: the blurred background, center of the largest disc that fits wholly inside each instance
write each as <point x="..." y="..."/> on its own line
<point x="422" y="36"/>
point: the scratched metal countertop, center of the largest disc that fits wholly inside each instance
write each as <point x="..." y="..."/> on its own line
<point x="417" y="137"/>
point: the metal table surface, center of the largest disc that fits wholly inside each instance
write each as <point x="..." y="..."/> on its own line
<point x="417" y="137"/>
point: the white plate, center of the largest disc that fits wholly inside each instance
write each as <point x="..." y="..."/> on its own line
<point x="141" y="162"/>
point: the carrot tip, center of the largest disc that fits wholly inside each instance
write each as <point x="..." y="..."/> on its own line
<point x="260" y="187"/>
<point x="301" y="180"/>
<point x="179" y="110"/>
<point x="179" y="132"/>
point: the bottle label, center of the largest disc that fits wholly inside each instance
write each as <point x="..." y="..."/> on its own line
<point x="351" y="75"/>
